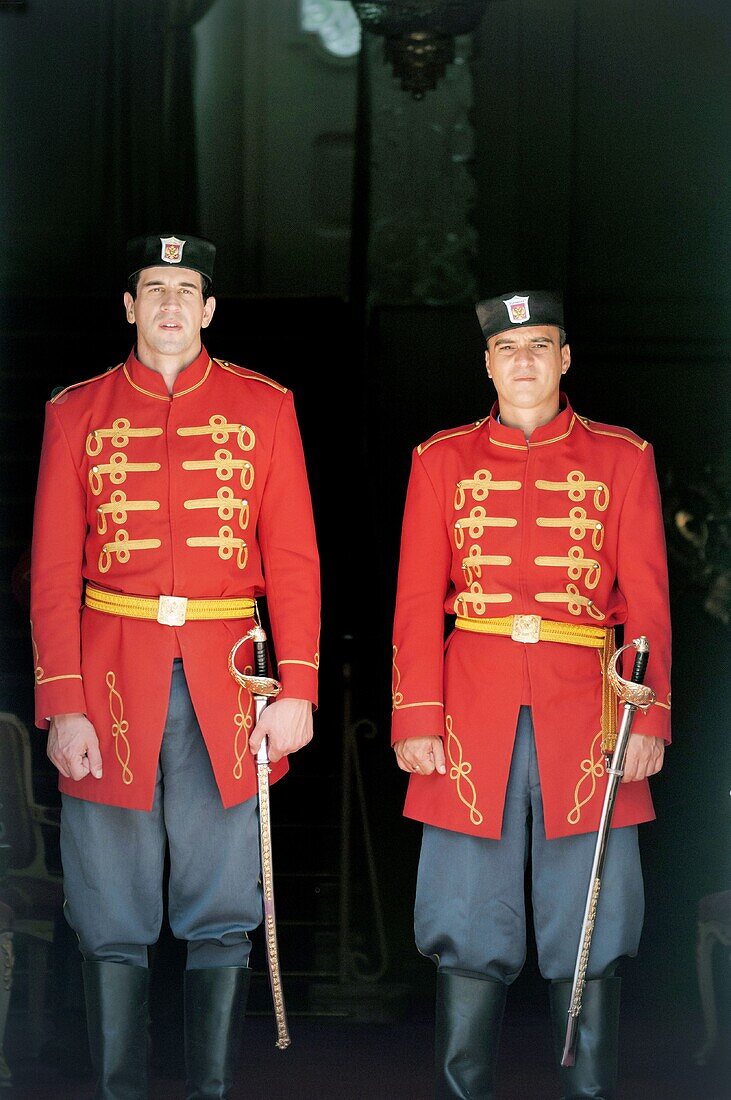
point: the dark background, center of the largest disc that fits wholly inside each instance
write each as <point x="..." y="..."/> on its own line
<point x="581" y="145"/>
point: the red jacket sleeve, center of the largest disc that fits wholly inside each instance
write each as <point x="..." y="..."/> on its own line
<point x="59" y="532"/>
<point x="286" y="533"/>
<point x="418" y="639"/>
<point x="642" y="578"/>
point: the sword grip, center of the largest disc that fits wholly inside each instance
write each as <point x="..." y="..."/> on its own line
<point x="260" y="657"/>
<point x="642" y="656"/>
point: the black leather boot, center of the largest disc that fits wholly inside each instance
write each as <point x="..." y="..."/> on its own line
<point x="469" y="1017"/>
<point x="594" y="1073"/>
<point x="215" y="1003"/>
<point x="117" y="1016"/>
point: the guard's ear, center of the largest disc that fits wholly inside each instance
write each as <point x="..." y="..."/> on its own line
<point x="129" y="307"/>
<point x="209" y="309"/>
<point x="487" y="362"/>
<point x="565" y="358"/>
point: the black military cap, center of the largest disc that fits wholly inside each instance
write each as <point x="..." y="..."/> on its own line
<point x="161" y="250"/>
<point x="532" y="307"/>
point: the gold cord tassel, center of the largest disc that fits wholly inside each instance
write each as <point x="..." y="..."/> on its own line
<point x="609" y="699"/>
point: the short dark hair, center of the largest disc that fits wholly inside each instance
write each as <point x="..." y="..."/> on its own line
<point x="206" y="284"/>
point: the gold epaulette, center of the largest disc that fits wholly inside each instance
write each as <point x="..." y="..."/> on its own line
<point x="614" y="431"/>
<point x="450" y="433"/>
<point x="75" y="386"/>
<point x="249" y="375"/>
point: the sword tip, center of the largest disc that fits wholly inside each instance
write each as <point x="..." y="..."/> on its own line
<point x="568" y="1058"/>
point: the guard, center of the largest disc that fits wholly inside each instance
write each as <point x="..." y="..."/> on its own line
<point x="172" y="494"/>
<point x="544" y="533"/>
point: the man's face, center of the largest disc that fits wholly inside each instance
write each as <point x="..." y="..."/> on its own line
<point x="169" y="311"/>
<point x="526" y="365"/>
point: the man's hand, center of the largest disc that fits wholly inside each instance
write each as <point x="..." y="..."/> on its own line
<point x="73" y="746"/>
<point x="644" y="757"/>
<point x="288" y="725"/>
<point x="422" y="755"/>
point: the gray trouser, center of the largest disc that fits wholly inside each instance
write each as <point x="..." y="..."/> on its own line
<point x="113" y="859"/>
<point x="470" y="897"/>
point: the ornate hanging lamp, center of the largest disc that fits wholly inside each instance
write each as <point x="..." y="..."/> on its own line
<point x="419" y="35"/>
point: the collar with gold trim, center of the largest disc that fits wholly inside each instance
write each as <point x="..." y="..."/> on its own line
<point x="151" y="384"/>
<point x="513" y="438"/>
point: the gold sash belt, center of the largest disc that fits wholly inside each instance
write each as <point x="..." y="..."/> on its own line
<point x="534" y="628"/>
<point x="168" y="610"/>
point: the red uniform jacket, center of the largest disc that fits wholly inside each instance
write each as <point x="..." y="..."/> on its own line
<point x="567" y="526"/>
<point x="202" y="493"/>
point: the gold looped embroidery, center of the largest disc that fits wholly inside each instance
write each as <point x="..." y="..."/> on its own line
<point x="575" y="564"/>
<point x="397" y="696"/>
<point x="226" y="505"/>
<point x="574" y="601"/>
<point x="592" y="768"/>
<point x="476" y="523"/>
<point x="119" y="435"/>
<point x="478" y="600"/>
<point x="459" y="773"/>
<point x="480" y="485"/>
<point x="577" y="486"/>
<point x="578" y="524"/>
<point x="226" y="544"/>
<point x="122" y="548"/>
<point x="118" y="508"/>
<point x="39" y="673"/>
<point x="220" y="430"/>
<point x="120" y="729"/>
<point x="473" y="563"/>
<point x="117" y="468"/>
<point x="244" y="722"/>
<point x="225" y="465"/>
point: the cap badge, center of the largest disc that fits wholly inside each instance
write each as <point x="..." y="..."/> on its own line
<point x="518" y="309"/>
<point x="172" y="250"/>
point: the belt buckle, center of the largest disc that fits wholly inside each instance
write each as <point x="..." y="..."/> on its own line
<point x="526" y="628"/>
<point x="171" y="610"/>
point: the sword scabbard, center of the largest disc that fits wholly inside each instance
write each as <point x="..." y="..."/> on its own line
<point x="635" y="697"/>
<point x="263" y="689"/>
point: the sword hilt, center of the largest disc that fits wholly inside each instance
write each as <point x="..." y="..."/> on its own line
<point x="633" y="691"/>
<point x="257" y="682"/>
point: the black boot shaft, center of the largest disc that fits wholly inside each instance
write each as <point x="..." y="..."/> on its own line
<point x="469" y="1019"/>
<point x="215" y="1003"/>
<point x="117" y="1013"/>
<point x="594" y="1074"/>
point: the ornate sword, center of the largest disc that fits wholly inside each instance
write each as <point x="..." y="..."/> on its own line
<point x="636" y="697"/>
<point x="264" y="688"/>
